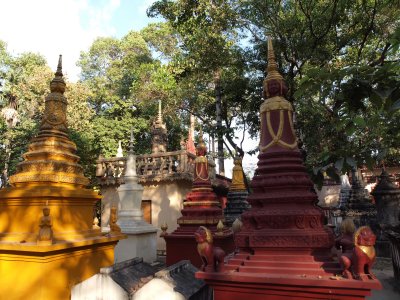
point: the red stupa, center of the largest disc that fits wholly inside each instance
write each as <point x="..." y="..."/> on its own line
<point x="201" y="208"/>
<point x="284" y="247"/>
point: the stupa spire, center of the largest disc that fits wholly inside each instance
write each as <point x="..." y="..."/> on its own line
<point x="272" y="66"/>
<point x="159" y="133"/>
<point x="280" y="135"/>
<point x="51" y="155"/>
<point x="159" y="112"/>
<point x="131" y="142"/>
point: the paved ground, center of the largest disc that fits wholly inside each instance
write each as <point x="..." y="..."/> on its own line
<point x="391" y="289"/>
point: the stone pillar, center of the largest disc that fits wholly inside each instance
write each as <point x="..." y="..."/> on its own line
<point x="387" y="200"/>
<point x="141" y="241"/>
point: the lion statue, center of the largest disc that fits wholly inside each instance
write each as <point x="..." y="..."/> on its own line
<point x="212" y="257"/>
<point x="359" y="262"/>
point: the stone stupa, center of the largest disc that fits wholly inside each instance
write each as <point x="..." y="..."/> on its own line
<point x="284" y="249"/>
<point x="237" y="195"/>
<point x="201" y="208"/>
<point x="47" y="240"/>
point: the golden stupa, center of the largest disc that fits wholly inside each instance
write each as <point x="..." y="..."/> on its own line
<point x="237" y="176"/>
<point x="47" y="240"/>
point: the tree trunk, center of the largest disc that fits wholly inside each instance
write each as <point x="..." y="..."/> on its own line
<point x="220" y="136"/>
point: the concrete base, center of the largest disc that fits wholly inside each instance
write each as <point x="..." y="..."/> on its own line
<point x="141" y="242"/>
<point x="49" y="272"/>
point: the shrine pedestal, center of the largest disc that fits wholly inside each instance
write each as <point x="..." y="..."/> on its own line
<point x="142" y="236"/>
<point x="181" y="244"/>
<point x="201" y="208"/>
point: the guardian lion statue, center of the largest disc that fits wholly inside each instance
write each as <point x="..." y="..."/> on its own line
<point x="212" y="257"/>
<point x="358" y="263"/>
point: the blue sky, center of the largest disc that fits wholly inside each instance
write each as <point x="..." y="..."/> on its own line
<point x="67" y="27"/>
<point x="53" y="27"/>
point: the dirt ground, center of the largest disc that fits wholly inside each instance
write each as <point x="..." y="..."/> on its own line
<point x="384" y="271"/>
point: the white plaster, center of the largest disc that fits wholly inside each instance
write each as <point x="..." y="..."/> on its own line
<point x="141" y="241"/>
<point x="157" y="289"/>
<point x="98" y="287"/>
<point x="137" y="245"/>
<point x="328" y="195"/>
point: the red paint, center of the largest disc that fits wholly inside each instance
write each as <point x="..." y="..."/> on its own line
<point x="201" y="208"/>
<point x="284" y="247"/>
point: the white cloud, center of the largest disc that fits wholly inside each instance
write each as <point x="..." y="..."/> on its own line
<point x="56" y="27"/>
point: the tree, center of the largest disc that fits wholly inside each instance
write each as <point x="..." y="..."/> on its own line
<point x="207" y="34"/>
<point x="126" y="83"/>
<point x="25" y="81"/>
<point x="341" y="62"/>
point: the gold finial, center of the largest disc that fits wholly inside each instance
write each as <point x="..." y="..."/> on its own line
<point x="201" y="149"/>
<point x="159" y="110"/>
<point x="220" y="228"/>
<point x="272" y="66"/>
<point x="58" y="83"/>
<point x="59" y="66"/>
<point x="237" y="225"/>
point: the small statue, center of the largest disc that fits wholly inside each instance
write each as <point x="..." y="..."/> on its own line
<point x="113" y="220"/>
<point x="45" y="236"/>
<point x="96" y="223"/>
<point x="345" y="240"/>
<point x="360" y="260"/>
<point x="237" y="225"/>
<point x="164" y="229"/>
<point x="212" y="257"/>
<point x="237" y="175"/>
<point x="220" y="228"/>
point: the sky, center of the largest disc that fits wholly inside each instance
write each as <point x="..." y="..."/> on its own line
<point x="68" y="27"/>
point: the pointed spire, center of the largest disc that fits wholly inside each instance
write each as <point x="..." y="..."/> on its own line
<point x="272" y="66"/>
<point x="59" y="66"/>
<point x="159" y="111"/>
<point x="131" y="142"/>
<point x="201" y="149"/>
<point x="58" y="83"/>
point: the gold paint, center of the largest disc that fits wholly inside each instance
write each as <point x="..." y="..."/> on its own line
<point x="66" y="248"/>
<point x="272" y="67"/>
<point x="275" y="103"/>
<point x="201" y="159"/>
<point x="368" y="250"/>
<point x="237" y="176"/>
<point x="209" y="237"/>
<point x="51" y="155"/>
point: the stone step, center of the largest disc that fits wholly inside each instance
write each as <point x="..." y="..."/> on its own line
<point x="290" y="270"/>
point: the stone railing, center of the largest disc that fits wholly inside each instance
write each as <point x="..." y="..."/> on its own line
<point x="151" y="167"/>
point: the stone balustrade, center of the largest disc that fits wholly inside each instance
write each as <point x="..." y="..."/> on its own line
<point x="166" y="166"/>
